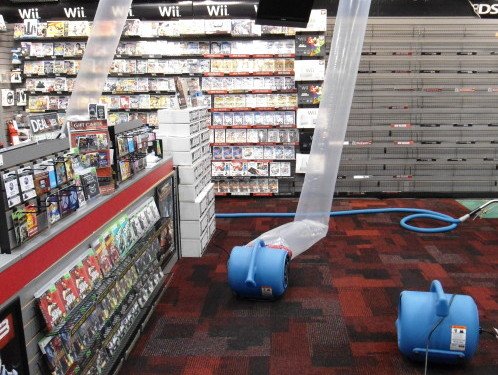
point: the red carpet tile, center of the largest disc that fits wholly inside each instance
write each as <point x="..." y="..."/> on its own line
<point x="338" y="314"/>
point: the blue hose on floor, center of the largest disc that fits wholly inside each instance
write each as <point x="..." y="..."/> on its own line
<point x="416" y="214"/>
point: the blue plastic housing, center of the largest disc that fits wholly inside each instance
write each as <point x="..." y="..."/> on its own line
<point x="455" y="338"/>
<point x="258" y="272"/>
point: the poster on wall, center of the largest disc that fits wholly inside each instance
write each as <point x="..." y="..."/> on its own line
<point x="7" y="98"/>
<point x="13" y="358"/>
<point x="20" y="97"/>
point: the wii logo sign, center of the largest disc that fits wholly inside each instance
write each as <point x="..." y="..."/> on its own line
<point x="118" y="11"/>
<point x="170" y="11"/>
<point x="487" y="9"/>
<point x="31" y="13"/>
<point x="78" y="12"/>
<point x="217" y="10"/>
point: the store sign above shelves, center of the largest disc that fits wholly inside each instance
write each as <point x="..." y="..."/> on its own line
<point x="73" y="10"/>
<point x="485" y="9"/>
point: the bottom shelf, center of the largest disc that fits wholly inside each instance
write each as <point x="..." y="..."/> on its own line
<point x="254" y="194"/>
<point x="262" y="187"/>
<point x="135" y="329"/>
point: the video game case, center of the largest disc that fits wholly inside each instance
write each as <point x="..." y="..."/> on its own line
<point x="309" y="70"/>
<point x="78" y="28"/>
<point x="132" y="27"/>
<point x="307" y="117"/>
<point x="51" y="306"/>
<point x="218" y="26"/>
<point x="102" y="256"/>
<point x="111" y="246"/>
<point x="309" y="94"/>
<point x="244" y="27"/>
<point x="147" y="29"/>
<point x="56" y="29"/>
<point x="168" y="28"/>
<point x="53" y="211"/>
<point x="310" y="45"/>
<point x="58" y="359"/>
<point x="81" y="278"/>
<point x="11" y="186"/>
<point x="20" y="225"/>
<point x="68" y="291"/>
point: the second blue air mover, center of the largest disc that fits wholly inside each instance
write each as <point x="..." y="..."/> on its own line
<point x="443" y="327"/>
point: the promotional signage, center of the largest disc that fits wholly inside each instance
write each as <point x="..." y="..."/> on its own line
<point x="485" y="9"/>
<point x="13" y="358"/>
<point x="43" y="123"/>
<point x="246" y="9"/>
<point x="72" y="10"/>
<point x="164" y="10"/>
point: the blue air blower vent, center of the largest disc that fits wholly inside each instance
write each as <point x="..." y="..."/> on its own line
<point x="445" y="327"/>
<point x="258" y="272"/>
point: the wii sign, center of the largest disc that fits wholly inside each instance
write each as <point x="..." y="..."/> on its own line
<point x="233" y="9"/>
<point x="485" y="9"/>
<point x="31" y="13"/>
<point x="217" y="10"/>
<point x="77" y="12"/>
<point x="170" y="11"/>
<point x="69" y="12"/>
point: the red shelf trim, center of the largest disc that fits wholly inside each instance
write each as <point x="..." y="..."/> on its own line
<point x="28" y="268"/>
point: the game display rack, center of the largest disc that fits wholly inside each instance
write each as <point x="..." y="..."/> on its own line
<point x="41" y="184"/>
<point x="131" y="144"/>
<point x="184" y="132"/>
<point x="245" y="73"/>
<point x="89" y="307"/>
<point x="89" y="284"/>
<point x="422" y="121"/>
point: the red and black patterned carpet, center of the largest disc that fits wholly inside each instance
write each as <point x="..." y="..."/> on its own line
<point x="338" y="314"/>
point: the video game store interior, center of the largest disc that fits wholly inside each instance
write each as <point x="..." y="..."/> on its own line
<point x="281" y="187"/>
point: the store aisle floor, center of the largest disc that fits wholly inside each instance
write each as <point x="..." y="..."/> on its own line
<point x="338" y="314"/>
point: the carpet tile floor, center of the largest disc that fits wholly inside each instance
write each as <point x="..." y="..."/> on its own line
<point x="338" y="314"/>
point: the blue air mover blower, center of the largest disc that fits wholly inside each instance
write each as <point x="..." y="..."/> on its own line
<point x="443" y="326"/>
<point x="258" y="272"/>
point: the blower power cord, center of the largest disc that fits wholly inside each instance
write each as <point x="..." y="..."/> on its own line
<point x="493" y="333"/>
<point x="438" y="323"/>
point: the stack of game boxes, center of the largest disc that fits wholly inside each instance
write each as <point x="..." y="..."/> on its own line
<point x="185" y="135"/>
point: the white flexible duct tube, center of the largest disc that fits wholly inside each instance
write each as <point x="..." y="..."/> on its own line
<point x="105" y="34"/>
<point x="312" y="218"/>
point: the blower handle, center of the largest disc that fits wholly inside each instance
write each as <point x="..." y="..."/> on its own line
<point x="442" y="306"/>
<point x="250" y="282"/>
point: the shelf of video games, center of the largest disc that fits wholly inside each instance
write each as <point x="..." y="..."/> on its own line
<point x="254" y="118"/>
<point x="94" y="273"/>
<point x="423" y="118"/>
<point x="45" y="185"/>
<point x="246" y="73"/>
<point x="93" y="309"/>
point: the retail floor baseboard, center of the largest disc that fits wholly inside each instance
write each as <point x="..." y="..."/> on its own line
<point x="338" y="314"/>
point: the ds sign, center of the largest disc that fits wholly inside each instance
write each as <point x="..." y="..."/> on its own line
<point x="485" y="9"/>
